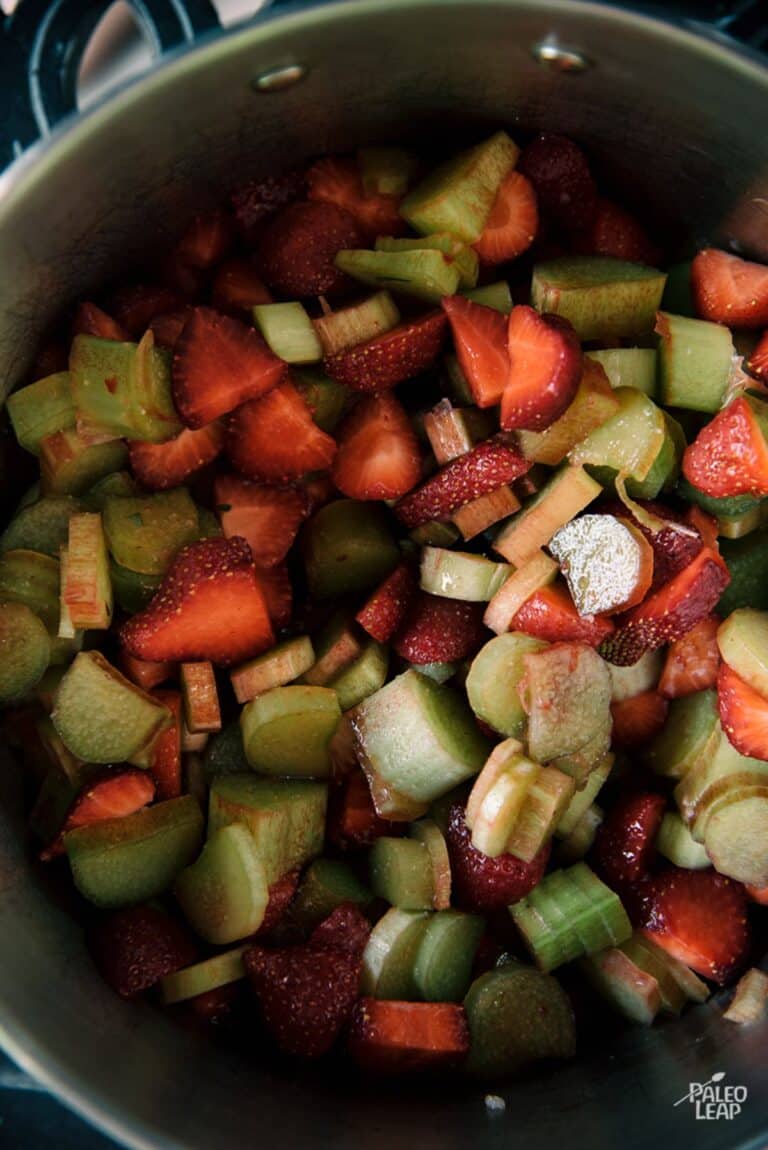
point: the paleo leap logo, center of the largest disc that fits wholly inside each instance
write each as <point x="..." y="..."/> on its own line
<point x="711" y="1101"/>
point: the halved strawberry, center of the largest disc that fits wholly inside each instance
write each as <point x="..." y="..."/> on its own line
<point x="616" y="232"/>
<point x="437" y="630"/>
<point x="692" y="661"/>
<point x="338" y="180"/>
<point x="268" y="518"/>
<point x="480" y="339"/>
<point x="730" y="455"/>
<point x="136" y="305"/>
<point x="165" y="764"/>
<point x="168" y="327"/>
<point x="237" y="288"/>
<point x="670" y="612"/>
<point x="189" y="282"/>
<point x="545" y="362"/>
<point x="276" y="439"/>
<point x="485" y="468"/>
<point x="218" y="364"/>
<point x="209" y="606"/>
<point x="700" y="918"/>
<point x="550" y="614"/>
<point x="404" y="1037"/>
<point x="146" y="675"/>
<point x="91" y="320"/>
<point x="729" y="290"/>
<point x="281" y="893"/>
<point x="387" y="360"/>
<point x="136" y="947"/>
<point x="513" y="222"/>
<point x="385" y="610"/>
<point x="113" y="794"/>
<point x="275" y="583"/>
<point x="625" y="844"/>
<point x="352" y="819"/>
<point x="345" y="929"/>
<point x="758" y="359"/>
<point x="298" y="247"/>
<point x="217" y="1007"/>
<point x="378" y="454"/>
<point x="486" y="884"/>
<point x="743" y="714"/>
<point x="254" y="203"/>
<point x="559" y="172"/>
<point x="638" y="720"/>
<point x="161" y="465"/>
<point x="207" y="239"/>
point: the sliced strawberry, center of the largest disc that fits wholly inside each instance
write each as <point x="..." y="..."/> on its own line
<point x="485" y="468"/>
<point x="616" y="232"/>
<point x="486" y="884"/>
<point x="207" y="239"/>
<point x="161" y="465"/>
<point x="189" y="282"/>
<point x="167" y="328"/>
<point x="638" y="720"/>
<point x="275" y="583"/>
<point x="670" y="612"/>
<point x="345" y="929"/>
<point x="559" y="172"/>
<point x="136" y="947"/>
<point x="352" y="819"/>
<point x="299" y="246"/>
<point x="625" y="844"/>
<point x="480" y="339"/>
<point x="405" y="1037"/>
<point x="387" y="360"/>
<point x="384" y="612"/>
<point x="254" y="203"/>
<point x="545" y="363"/>
<point x="281" y="894"/>
<point x="338" y="180"/>
<point x="209" y="606"/>
<point x="437" y="630"/>
<point x="743" y="714"/>
<point x="91" y="320"/>
<point x="550" y="614"/>
<point x="675" y="544"/>
<point x="706" y="525"/>
<point x="216" y="1007"/>
<point x="378" y="453"/>
<point x="513" y="222"/>
<point x="113" y="794"/>
<point x="268" y="518"/>
<point x="758" y="359"/>
<point x="729" y="456"/>
<point x="692" y="661"/>
<point x="136" y="305"/>
<point x="146" y="675"/>
<point x="700" y="918"/>
<point x="218" y="364"/>
<point x="729" y="290"/>
<point x="306" y="994"/>
<point x="275" y="438"/>
<point x="237" y="288"/>
<point x="165" y="764"/>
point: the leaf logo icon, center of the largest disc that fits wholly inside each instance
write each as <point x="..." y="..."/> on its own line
<point x="718" y="1076"/>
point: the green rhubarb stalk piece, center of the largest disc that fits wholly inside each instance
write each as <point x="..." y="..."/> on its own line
<point x="359" y="323"/>
<point x="675" y="841"/>
<point x="426" y="274"/>
<point x="200" y="697"/>
<point x="347" y="547"/>
<point x="224" y="893"/>
<point x="25" y="650"/>
<point x="132" y="590"/>
<point x="602" y="297"/>
<point x="581" y="839"/>
<point x="746" y="561"/>
<point x="695" y="361"/>
<point x="390" y="955"/>
<point x="325" y="398"/>
<point x="41" y="526"/>
<point x="737" y="526"/>
<point x="224" y="753"/>
<point x="629" y="442"/>
<point x="440" y="672"/>
<point x="430" y="835"/>
<point x="582" y="800"/>
<point x="289" y="331"/>
<point x="543" y="808"/>
<point x="607" y="563"/>
<point x="32" y="579"/>
<point x="464" y="257"/>
<point x="692" y="722"/>
<point x="750" y="1002"/>
<point x="635" y="367"/>
<point x="363" y="677"/>
<point x="71" y="462"/>
<point x="743" y="643"/>
<point x="677" y="982"/>
<point x="720" y="776"/>
<point x="736" y="834"/>
<point x="443" y="967"/>
<point x="203" y="977"/>
<point x="275" y="668"/>
<point x="386" y="171"/>
<point x="401" y="873"/>
<point x="336" y="645"/>
<point x="86" y="589"/>
<point x="460" y="575"/>
<point x="537" y="572"/>
<point x="561" y="498"/>
<point x="626" y="986"/>
<point x="497" y="797"/>
<point x="435" y="534"/>
<point x="326" y="884"/>
<point x="639" y="677"/>
<point x="144" y="533"/>
<point x="41" y="409"/>
<point x="593" y="404"/>
<point x="116" y="483"/>
<point x="568" y="691"/>
<point x="496" y="295"/>
<point x="287" y="731"/>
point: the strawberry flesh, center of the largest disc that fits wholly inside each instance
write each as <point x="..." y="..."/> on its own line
<point x="758" y="359"/>
<point x="437" y="630"/>
<point x="255" y="203"/>
<point x="275" y="583"/>
<point x="346" y="929"/>
<point x="91" y="320"/>
<point x="237" y="289"/>
<point x="207" y="240"/>
<point x="406" y="1037"/>
<point x="299" y="246"/>
<point x="136" y="305"/>
<point x="692" y="661"/>
<point x="727" y="289"/>
<point x="275" y="439"/>
<point x="158" y="466"/>
<point x="378" y="454"/>
<point x="112" y="795"/>
<point x="729" y="456"/>
<point x="675" y="544"/>
<point x="743" y="714"/>
<point x="617" y="233"/>
<point x="480" y="339"/>
<point x="337" y="180"/>
<point x="624" y="848"/>
<point x="136" y="947"/>
<point x="281" y="894"/>
<point x="167" y="328"/>
<point x="513" y="221"/>
<point x="387" y="607"/>
<point x="387" y="360"/>
<point x="352" y="818"/>
<point x="638" y="720"/>
<point x="551" y="614"/>
<point x="165" y="764"/>
<point x="486" y="884"/>
<point x="268" y="518"/>
<point x="545" y="362"/>
<point x="559" y="172"/>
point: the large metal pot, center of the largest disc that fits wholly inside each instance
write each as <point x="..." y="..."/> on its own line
<point x="680" y="118"/>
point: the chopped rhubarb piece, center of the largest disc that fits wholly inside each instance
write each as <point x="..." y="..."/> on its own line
<point x="448" y="431"/>
<point x="480" y="338"/>
<point x="201" y="698"/>
<point x="338" y="180"/>
<point x="676" y="540"/>
<point x="275" y="583"/>
<point x="268" y="518"/>
<point x="158" y="466"/>
<point x="207" y="239"/>
<point x="112" y="795"/>
<point x="165" y="760"/>
<point x="485" y="468"/>
<point x="638" y="720"/>
<point x="550" y="614"/>
<point x="730" y="455"/>
<point x="607" y="563"/>
<point x="254" y="203"/>
<point x="91" y="320"/>
<point x="237" y="289"/>
<point x="616" y="232"/>
<point x="281" y="894"/>
<point x="298" y="248"/>
<point x="625" y="844"/>
<point x="209" y="606"/>
<point x="378" y="454"/>
<point x="276" y="439"/>
<point x="692" y="661"/>
<point x="386" y="609"/>
<point x="387" y="360"/>
<point x="485" y="884"/>
<point x="136" y="947"/>
<point x="86" y="591"/>
<point x="545" y="364"/>
<point x="743" y="714"/>
<point x="477" y="516"/>
<point x="727" y="289"/>
<point x="533" y="575"/>
<point x="352" y="819"/>
<point x="559" y="172"/>
<point x="512" y="225"/>
<point x="758" y="359"/>
<point x="146" y="675"/>
<point x="218" y="364"/>
<point x="136" y="305"/>
<point x="398" y="1037"/>
<point x="437" y="630"/>
<point x="346" y="929"/>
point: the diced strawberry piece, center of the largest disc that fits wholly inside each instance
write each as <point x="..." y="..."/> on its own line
<point x="513" y="222"/>
<point x="237" y="288"/>
<point x="378" y="453"/>
<point x="700" y="918"/>
<point x="743" y="714"/>
<point x="727" y="289"/>
<point x="675" y="545"/>
<point x="625" y="844"/>
<point x="136" y="305"/>
<point x="387" y="607"/>
<point x="387" y="360"/>
<point x="218" y="364"/>
<point x="692" y="661"/>
<point x="91" y="320"/>
<point x="207" y="239"/>
<point x="275" y="438"/>
<point x="486" y="884"/>
<point x="352" y="819"/>
<point x="299" y="246"/>
<point x="281" y="894"/>
<point x="189" y="282"/>
<point x="545" y="363"/>
<point x="398" y="1037"/>
<point x="337" y="180"/>
<point x="758" y="894"/>
<point x="254" y="203"/>
<point x="483" y="469"/>
<point x="318" y="489"/>
<point x="161" y="465"/>
<point x="559" y="172"/>
<point x="480" y="339"/>
<point x="216" y="1007"/>
<point x="167" y="328"/>
<point x="550" y="614"/>
<point x="758" y="360"/>
<point x="706" y="525"/>
<point x="209" y="606"/>
<point x="729" y="456"/>
<point x="113" y="794"/>
<point x="638" y="720"/>
<point x="345" y="929"/>
<point x="670" y="612"/>
<point x="437" y="630"/>
<point x="275" y="583"/>
<point x="146" y="675"/>
<point x="306" y="994"/>
<point x="268" y="518"/>
<point x="616" y="232"/>
<point x="136" y="947"/>
<point x="165" y="765"/>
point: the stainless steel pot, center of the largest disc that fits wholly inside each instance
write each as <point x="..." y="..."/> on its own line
<point x="680" y="120"/>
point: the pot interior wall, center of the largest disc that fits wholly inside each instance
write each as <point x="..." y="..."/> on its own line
<point x="674" y="124"/>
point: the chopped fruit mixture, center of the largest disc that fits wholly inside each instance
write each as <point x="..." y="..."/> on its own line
<point x="392" y="601"/>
